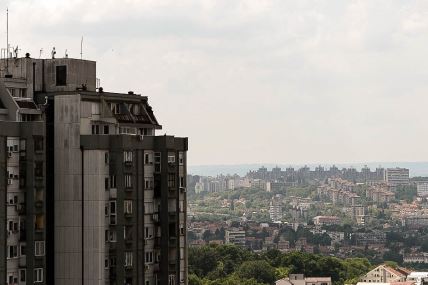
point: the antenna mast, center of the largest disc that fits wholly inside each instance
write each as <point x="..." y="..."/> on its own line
<point x="81" y="48"/>
<point x="7" y="40"/>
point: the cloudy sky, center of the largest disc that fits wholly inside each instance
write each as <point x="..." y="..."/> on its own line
<point x="255" y="81"/>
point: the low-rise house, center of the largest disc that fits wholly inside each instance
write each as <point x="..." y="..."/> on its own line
<point x="384" y="274"/>
<point x="419" y="278"/>
<point x="326" y="220"/>
<point x="299" y="279"/>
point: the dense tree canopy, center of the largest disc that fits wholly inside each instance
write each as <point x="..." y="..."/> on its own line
<point x="230" y="265"/>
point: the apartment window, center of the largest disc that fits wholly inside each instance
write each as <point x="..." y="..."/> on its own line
<point x="148" y="208"/>
<point x="127" y="156"/>
<point x="12" y="251"/>
<point x="128" y="181"/>
<point x="38" y="143"/>
<point x="113" y="181"/>
<point x="172" y="230"/>
<point x="22" y="250"/>
<point x="157" y="161"/>
<point x="180" y="158"/>
<point x="171" y="279"/>
<point x="106" y="129"/>
<point x="12" y="279"/>
<point x="113" y="261"/>
<point x="38" y="169"/>
<point x="22" y="275"/>
<point x="148" y="183"/>
<point x="105" y="262"/>
<point x="39" y="222"/>
<point x="39" y="248"/>
<point x="95" y="129"/>
<point x="128" y="259"/>
<point x="171" y="180"/>
<point x="38" y="275"/>
<point x="111" y="236"/>
<point x="61" y="75"/>
<point x="106" y="158"/>
<point x="148" y="158"/>
<point x="182" y="181"/>
<point x="115" y="108"/>
<point x="171" y="158"/>
<point x="13" y="199"/>
<point x="113" y="213"/>
<point x="127" y="206"/>
<point x="95" y="108"/>
<point x="148" y="232"/>
<point x="12" y="226"/>
<point x="149" y="256"/>
<point x="182" y="229"/>
<point x="112" y="207"/>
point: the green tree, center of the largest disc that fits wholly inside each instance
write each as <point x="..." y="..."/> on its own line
<point x="260" y="270"/>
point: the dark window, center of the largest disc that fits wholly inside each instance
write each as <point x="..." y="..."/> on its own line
<point x="106" y="183"/>
<point x="171" y="180"/>
<point x="172" y="230"/>
<point x="106" y="130"/>
<point x="38" y="143"/>
<point x="38" y="169"/>
<point x="61" y="75"/>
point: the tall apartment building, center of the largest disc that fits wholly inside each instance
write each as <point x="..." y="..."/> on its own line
<point x="91" y="195"/>
<point x="275" y="209"/>
<point x="396" y="176"/>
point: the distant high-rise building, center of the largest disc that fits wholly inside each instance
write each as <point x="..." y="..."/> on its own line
<point x="422" y="189"/>
<point x="396" y="176"/>
<point x="275" y="209"/>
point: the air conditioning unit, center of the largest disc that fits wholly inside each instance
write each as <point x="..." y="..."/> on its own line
<point x="146" y="267"/>
<point x="140" y="137"/>
<point x="9" y="233"/>
<point x="9" y="182"/>
<point x="9" y="154"/>
<point x="183" y="189"/>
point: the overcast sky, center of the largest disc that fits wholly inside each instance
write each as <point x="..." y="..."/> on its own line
<point x="255" y="81"/>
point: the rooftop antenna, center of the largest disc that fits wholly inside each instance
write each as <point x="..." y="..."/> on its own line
<point x="7" y="40"/>
<point x="81" y="48"/>
<point x="53" y="53"/>
<point x="66" y="54"/>
<point x="41" y="51"/>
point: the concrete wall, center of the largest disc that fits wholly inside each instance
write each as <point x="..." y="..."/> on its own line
<point x="67" y="192"/>
<point x="95" y="170"/>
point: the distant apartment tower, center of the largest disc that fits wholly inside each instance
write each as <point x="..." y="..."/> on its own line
<point x="91" y="195"/>
<point x="422" y="189"/>
<point x="236" y="237"/>
<point x="275" y="209"/>
<point x="396" y="176"/>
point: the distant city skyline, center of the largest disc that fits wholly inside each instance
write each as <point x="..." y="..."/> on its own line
<point x="251" y="81"/>
<point x="415" y="168"/>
